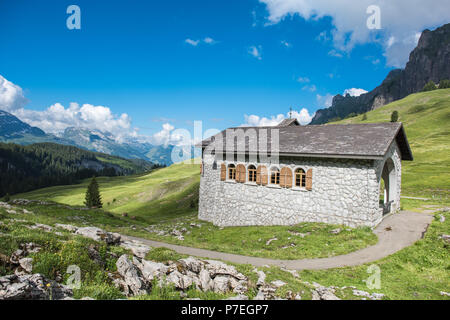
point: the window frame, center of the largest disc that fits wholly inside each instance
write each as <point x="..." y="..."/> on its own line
<point x="302" y="178"/>
<point x="231" y="171"/>
<point x="251" y="169"/>
<point x="276" y="171"/>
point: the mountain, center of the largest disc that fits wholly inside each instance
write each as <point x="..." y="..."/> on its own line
<point x="13" y="130"/>
<point x="25" y="168"/>
<point x="428" y="61"/>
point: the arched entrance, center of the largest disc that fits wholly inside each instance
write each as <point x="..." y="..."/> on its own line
<point x="388" y="187"/>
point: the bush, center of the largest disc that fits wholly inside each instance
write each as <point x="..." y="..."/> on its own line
<point x="364" y="117"/>
<point x="394" y="116"/>
<point x="444" y="84"/>
<point x="430" y="86"/>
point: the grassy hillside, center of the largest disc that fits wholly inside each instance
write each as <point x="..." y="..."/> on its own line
<point x="426" y="118"/>
<point x="163" y="193"/>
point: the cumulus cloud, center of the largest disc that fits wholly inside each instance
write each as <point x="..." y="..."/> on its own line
<point x="401" y="21"/>
<point x="11" y="96"/>
<point x="302" y="116"/>
<point x="354" y="92"/>
<point x="255" y="51"/>
<point x="324" y="101"/>
<point x="286" y="44"/>
<point x="194" y="43"/>
<point x="57" y="118"/>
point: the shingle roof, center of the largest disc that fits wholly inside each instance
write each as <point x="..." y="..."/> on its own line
<point x="368" y="141"/>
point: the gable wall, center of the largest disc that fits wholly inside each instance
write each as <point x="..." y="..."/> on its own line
<point x="343" y="193"/>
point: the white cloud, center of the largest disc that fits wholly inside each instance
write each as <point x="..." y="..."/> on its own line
<point x="324" y="101"/>
<point x="192" y="42"/>
<point x="302" y="116"/>
<point x="11" y="96"/>
<point x="255" y="51"/>
<point x="209" y="40"/>
<point x="311" y="88"/>
<point x="166" y="136"/>
<point x="334" y="53"/>
<point x="354" y="92"/>
<point x="400" y="19"/>
<point x="286" y="44"/>
<point x="57" y="118"/>
<point x="303" y="79"/>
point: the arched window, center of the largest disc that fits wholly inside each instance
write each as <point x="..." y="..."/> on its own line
<point x="231" y="172"/>
<point x="300" y="178"/>
<point x="251" y="173"/>
<point x="275" y="176"/>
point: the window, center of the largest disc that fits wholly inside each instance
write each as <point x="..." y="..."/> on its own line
<point x="275" y="176"/>
<point x="251" y="173"/>
<point x="231" y="172"/>
<point x="300" y="178"/>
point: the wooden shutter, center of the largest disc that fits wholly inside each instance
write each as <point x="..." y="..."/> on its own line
<point x="286" y="177"/>
<point x="309" y="180"/>
<point x="223" y="172"/>
<point x="261" y="175"/>
<point x="240" y="173"/>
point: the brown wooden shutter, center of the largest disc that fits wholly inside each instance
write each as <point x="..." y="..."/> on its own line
<point x="258" y="175"/>
<point x="240" y="173"/>
<point x="264" y="175"/>
<point x="286" y="177"/>
<point x="223" y="172"/>
<point x="309" y="180"/>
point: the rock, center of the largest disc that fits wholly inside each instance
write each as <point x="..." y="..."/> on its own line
<point x="192" y="264"/>
<point x="87" y="298"/>
<point x="336" y="231"/>
<point x="180" y="281"/>
<point x="95" y="256"/>
<point x="443" y="293"/>
<point x="278" y="283"/>
<point x="373" y="296"/>
<point x="139" y="249"/>
<point x="261" y="277"/>
<point x="218" y="268"/>
<point x="151" y="270"/>
<point x="270" y="241"/>
<point x="324" y="293"/>
<point x="98" y="234"/>
<point x="41" y="226"/>
<point x="31" y="287"/>
<point x="445" y="237"/>
<point x="67" y="227"/>
<point x="441" y="218"/>
<point x="238" y="297"/>
<point x="206" y="283"/>
<point x="16" y="256"/>
<point x="221" y="284"/>
<point x="134" y="284"/>
<point x="26" y="264"/>
<point x="266" y="292"/>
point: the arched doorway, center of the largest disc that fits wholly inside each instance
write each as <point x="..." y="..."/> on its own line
<point x="388" y="187"/>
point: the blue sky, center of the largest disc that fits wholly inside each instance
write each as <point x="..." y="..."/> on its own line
<point x="132" y="57"/>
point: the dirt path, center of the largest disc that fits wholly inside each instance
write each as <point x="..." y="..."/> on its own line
<point x="406" y="228"/>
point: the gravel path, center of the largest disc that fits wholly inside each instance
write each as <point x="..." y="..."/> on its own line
<point x="394" y="233"/>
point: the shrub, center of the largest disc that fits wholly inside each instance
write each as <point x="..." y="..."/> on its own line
<point x="394" y="116"/>
<point x="364" y="117"/>
<point x="429" y="86"/>
<point x="444" y="84"/>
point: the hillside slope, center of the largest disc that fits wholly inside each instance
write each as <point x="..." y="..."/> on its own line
<point x="426" y="118"/>
<point x="164" y="193"/>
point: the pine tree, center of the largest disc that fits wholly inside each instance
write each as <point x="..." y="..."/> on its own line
<point x="394" y="116"/>
<point x="93" y="198"/>
<point x="430" y="86"/>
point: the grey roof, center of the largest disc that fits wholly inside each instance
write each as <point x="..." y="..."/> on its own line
<point x="289" y="122"/>
<point x="366" y="141"/>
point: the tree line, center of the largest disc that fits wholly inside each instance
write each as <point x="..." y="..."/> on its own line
<point x="26" y="168"/>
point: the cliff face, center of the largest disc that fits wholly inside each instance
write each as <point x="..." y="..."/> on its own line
<point x="430" y="60"/>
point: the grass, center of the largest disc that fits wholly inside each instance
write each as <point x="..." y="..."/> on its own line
<point x="160" y="195"/>
<point x="426" y="118"/>
<point x="420" y="271"/>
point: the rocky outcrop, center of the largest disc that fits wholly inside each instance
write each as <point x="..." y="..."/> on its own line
<point x="428" y="61"/>
<point x="31" y="287"/>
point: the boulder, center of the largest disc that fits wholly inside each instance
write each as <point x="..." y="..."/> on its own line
<point x="151" y="270"/>
<point x="222" y="284"/>
<point x="218" y="268"/>
<point x="67" y="227"/>
<point x="206" y="283"/>
<point x="98" y="234"/>
<point x="138" y="249"/>
<point x="192" y="264"/>
<point x="26" y="264"/>
<point x="133" y="284"/>
<point x="31" y="287"/>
